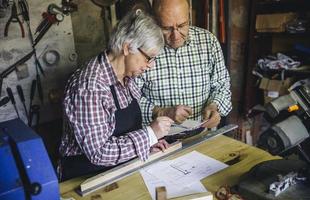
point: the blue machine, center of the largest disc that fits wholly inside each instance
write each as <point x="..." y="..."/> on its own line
<point x="26" y="170"/>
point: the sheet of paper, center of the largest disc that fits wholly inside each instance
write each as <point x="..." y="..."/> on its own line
<point x="173" y="174"/>
<point x="185" y="126"/>
<point x="173" y="190"/>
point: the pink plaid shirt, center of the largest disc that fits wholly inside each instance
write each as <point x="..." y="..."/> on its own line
<point x="89" y="119"/>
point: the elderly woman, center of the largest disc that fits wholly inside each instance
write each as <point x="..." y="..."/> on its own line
<point x="101" y="114"/>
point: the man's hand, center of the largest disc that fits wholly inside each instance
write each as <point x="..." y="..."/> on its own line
<point x="161" y="126"/>
<point x="161" y="145"/>
<point x="211" y="115"/>
<point x="177" y="113"/>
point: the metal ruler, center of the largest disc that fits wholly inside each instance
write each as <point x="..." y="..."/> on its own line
<point x="203" y="137"/>
<point x="93" y="184"/>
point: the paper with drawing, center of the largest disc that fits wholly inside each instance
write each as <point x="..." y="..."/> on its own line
<point x="187" y="125"/>
<point x="173" y="174"/>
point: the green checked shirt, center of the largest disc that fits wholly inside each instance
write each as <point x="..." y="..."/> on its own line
<point x="194" y="75"/>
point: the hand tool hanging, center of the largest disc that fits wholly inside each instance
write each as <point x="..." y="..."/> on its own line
<point x="32" y="92"/>
<point x="43" y="27"/>
<point x="11" y="96"/>
<point x="52" y="16"/>
<point x="23" y="5"/>
<point x="22" y="97"/>
<point x="34" y="116"/>
<point x="11" y="68"/>
<point x="13" y="18"/>
<point x="34" y="110"/>
<point x="4" y="101"/>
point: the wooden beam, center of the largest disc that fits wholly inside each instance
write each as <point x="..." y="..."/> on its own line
<point x="101" y="180"/>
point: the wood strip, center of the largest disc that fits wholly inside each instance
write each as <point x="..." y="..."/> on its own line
<point x="101" y="180"/>
<point x="207" y="15"/>
<point x="214" y="28"/>
<point x="222" y="30"/>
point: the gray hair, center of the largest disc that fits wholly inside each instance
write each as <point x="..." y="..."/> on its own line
<point x="137" y="29"/>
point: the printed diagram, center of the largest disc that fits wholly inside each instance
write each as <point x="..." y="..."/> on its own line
<point x="181" y="176"/>
<point x="183" y="167"/>
<point x="188" y="168"/>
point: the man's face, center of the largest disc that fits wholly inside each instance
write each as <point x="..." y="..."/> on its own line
<point x="175" y="24"/>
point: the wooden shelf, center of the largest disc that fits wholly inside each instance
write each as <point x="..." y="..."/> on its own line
<point x="263" y="43"/>
<point x="288" y="73"/>
<point x="281" y="6"/>
<point x="280" y="34"/>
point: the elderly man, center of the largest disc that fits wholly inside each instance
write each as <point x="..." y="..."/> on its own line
<point x="190" y="80"/>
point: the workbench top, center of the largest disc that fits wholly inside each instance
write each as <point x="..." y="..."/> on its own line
<point x="221" y="148"/>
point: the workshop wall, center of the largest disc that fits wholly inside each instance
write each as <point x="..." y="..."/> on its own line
<point x="55" y="52"/>
<point x="88" y="29"/>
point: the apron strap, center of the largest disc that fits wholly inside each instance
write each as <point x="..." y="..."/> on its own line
<point x="114" y="96"/>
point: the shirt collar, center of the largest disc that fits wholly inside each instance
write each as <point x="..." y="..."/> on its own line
<point x="112" y="78"/>
<point x="189" y="39"/>
<point x="107" y="66"/>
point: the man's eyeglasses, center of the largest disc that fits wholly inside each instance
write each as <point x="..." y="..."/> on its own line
<point x="149" y="59"/>
<point x="181" y="28"/>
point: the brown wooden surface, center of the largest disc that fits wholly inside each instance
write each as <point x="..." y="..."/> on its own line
<point x="221" y="148"/>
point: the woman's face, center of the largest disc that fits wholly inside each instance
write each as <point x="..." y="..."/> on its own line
<point x="137" y="63"/>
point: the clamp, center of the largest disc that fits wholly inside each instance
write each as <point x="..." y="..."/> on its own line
<point x="52" y="16"/>
<point x="57" y="11"/>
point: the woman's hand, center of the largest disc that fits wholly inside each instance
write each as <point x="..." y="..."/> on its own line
<point x="160" y="146"/>
<point x="161" y="126"/>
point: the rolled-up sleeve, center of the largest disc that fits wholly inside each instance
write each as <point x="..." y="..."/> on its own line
<point x="92" y="123"/>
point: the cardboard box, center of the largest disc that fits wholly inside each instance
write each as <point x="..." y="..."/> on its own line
<point x="273" y="22"/>
<point x="274" y="88"/>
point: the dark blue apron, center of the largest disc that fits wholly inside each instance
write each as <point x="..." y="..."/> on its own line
<point x="127" y="120"/>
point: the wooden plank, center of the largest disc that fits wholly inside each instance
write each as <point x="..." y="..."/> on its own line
<point x="222" y="27"/>
<point x="161" y="193"/>
<point x="207" y="15"/>
<point x="214" y="25"/>
<point x="119" y="172"/>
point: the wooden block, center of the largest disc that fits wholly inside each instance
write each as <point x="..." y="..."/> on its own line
<point x="161" y="193"/>
<point x="110" y="187"/>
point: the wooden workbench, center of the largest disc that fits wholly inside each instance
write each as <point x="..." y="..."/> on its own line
<point x="221" y="148"/>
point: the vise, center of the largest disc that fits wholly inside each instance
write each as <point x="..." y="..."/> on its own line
<point x="26" y="170"/>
